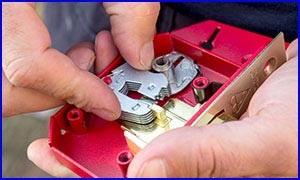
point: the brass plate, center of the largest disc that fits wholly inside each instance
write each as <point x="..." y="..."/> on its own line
<point x="235" y="98"/>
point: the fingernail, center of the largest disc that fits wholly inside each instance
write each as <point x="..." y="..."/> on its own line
<point x="107" y="115"/>
<point x="147" y="55"/>
<point x="155" y="168"/>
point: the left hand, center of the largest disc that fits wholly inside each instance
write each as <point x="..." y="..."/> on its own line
<point x="133" y="29"/>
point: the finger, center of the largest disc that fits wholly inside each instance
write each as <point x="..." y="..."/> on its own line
<point x="42" y="156"/>
<point x="83" y="55"/>
<point x="18" y="100"/>
<point x="252" y="147"/>
<point x="105" y="49"/>
<point x="292" y="50"/>
<point x="133" y="29"/>
<point x="47" y="70"/>
<point x="235" y="149"/>
<point x="279" y="92"/>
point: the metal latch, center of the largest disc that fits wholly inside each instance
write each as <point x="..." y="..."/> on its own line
<point x="165" y="79"/>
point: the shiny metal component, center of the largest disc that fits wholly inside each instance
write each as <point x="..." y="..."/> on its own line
<point x="224" y="117"/>
<point x="235" y="99"/>
<point x="181" y="75"/>
<point x="164" y="65"/>
<point x="199" y="87"/>
<point x="223" y="109"/>
<point x="177" y="109"/>
<point x="154" y="86"/>
<point x="160" y="114"/>
<point x="177" y="114"/>
<point x="125" y="79"/>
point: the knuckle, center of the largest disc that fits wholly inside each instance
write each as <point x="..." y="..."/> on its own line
<point x="145" y="9"/>
<point x="20" y="72"/>
<point x="207" y="163"/>
<point x="133" y="8"/>
<point x="73" y="94"/>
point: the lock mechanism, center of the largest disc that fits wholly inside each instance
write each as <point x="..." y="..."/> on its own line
<point x="166" y="79"/>
<point x="201" y="75"/>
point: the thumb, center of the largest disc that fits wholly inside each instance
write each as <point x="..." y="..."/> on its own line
<point x="29" y="62"/>
<point x="133" y="29"/>
<point x="40" y="153"/>
<point x="234" y="149"/>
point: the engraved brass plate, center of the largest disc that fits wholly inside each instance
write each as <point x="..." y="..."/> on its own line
<point x="235" y="98"/>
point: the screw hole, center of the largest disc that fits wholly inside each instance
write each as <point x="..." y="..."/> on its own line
<point x="75" y="115"/>
<point x="125" y="157"/>
<point x="270" y="66"/>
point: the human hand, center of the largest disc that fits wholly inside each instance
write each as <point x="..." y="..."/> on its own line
<point x="133" y="29"/>
<point x="29" y="62"/>
<point x="263" y="144"/>
<point x="36" y="77"/>
<point x="143" y="17"/>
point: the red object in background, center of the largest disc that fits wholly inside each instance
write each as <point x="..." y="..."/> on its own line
<point x="94" y="153"/>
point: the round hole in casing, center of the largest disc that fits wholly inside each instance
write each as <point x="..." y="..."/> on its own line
<point x="123" y="157"/>
<point x="270" y="66"/>
<point x="200" y="83"/>
<point x="75" y="114"/>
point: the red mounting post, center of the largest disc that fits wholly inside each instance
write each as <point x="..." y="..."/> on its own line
<point x="123" y="159"/>
<point x="77" y="121"/>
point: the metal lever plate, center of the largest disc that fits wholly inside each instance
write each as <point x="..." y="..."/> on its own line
<point x="125" y="78"/>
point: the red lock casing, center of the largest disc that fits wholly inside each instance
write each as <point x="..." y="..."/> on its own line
<point x="94" y="153"/>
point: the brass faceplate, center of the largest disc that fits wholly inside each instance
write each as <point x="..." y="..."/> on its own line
<point x="235" y="98"/>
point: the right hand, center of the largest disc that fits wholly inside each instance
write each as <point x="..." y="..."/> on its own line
<point x="36" y="77"/>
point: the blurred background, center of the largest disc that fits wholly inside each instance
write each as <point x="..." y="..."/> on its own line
<point x="17" y="133"/>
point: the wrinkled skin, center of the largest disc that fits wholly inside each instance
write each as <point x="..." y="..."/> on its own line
<point x="36" y="77"/>
<point x="263" y="144"/>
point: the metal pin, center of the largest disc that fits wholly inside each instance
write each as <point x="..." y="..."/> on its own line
<point x="163" y="64"/>
<point x="199" y="85"/>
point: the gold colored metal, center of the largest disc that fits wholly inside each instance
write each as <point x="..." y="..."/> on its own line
<point x="235" y="99"/>
<point x="160" y="114"/>
<point x="180" y="110"/>
<point x="173" y="114"/>
<point x="217" y="121"/>
<point x="228" y="106"/>
<point x="225" y="117"/>
<point x="221" y="117"/>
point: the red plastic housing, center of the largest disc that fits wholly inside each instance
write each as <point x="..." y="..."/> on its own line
<point x="93" y="152"/>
